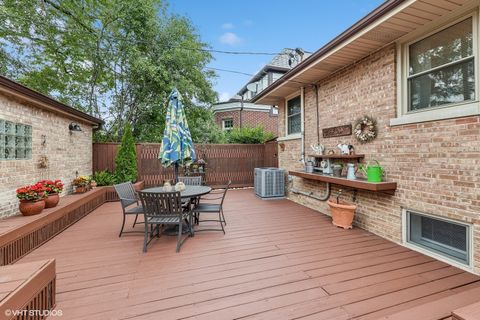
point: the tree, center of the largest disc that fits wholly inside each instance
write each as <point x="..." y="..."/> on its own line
<point x="117" y="60"/>
<point x="126" y="159"/>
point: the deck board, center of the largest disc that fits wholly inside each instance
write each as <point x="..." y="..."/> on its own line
<point x="278" y="260"/>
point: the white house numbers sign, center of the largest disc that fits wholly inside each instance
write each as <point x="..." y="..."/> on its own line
<point x="339" y="131"/>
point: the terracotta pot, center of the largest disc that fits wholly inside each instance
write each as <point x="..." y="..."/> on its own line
<point x="81" y="189"/>
<point x="52" y="200"/>
<point x="30" y="208"/>
<point x="342" y="213"/>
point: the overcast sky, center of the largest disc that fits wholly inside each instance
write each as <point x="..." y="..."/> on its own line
<point x="265" y="26"/>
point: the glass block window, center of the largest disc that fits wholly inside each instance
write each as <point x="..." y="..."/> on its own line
<point x="294" y="116"/>
<point x="441" y="68"/>
<point x="15" y="141"/>
<point x="444" y="237"/>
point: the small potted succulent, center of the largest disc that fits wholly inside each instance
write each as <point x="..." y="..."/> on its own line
<point x="32" y="199"/>
<point x="53" y="188"/>
<point x="81" y="184"/>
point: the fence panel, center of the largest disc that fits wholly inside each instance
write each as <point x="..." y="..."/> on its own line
<point x="225" y="162"/>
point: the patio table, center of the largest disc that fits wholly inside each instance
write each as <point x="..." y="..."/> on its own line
<point x="189" y="192"/>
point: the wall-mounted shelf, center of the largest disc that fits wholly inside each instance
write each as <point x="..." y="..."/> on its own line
<point x="359" y="183"/>
<point x="337" y="156"/>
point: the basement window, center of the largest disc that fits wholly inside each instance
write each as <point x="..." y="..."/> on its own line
<point x="440" y="236"/>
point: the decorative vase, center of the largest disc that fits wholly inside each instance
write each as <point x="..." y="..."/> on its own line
<point x="30" y="208"/>
<point x="52" y="200"/>
<point x="342" y="213"/>
<point x="80" y="189"/>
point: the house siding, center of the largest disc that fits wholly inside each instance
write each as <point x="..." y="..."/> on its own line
<point x="436" y="164"/>
<point x="67" y="153"/>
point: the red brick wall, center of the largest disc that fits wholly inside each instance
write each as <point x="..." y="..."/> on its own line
<point x="249" y="118"/>
<point x="436" y="164"/>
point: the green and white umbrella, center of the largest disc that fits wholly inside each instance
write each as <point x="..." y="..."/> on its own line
<point x="177" y="145"/>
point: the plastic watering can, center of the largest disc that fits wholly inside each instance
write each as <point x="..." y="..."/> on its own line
<point x="374" y="173"/>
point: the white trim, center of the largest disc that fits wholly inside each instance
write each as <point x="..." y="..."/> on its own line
<point x="469" y="267"/>
<point x="449" y="111"/>
<point x="223" y="124"/>
<point x="290" y="137"/>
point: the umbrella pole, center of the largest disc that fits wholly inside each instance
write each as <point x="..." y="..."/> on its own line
<point x="176" y="172"/>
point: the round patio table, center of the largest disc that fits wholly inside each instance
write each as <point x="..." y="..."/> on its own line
<point x="189" y="192"/>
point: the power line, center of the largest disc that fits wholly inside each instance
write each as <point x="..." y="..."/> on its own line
<point x="251" y="75"/>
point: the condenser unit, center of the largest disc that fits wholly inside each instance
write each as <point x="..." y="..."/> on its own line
<point x="269" y="182"/>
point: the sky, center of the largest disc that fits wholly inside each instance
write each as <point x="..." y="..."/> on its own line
<point x="265" y="26"/>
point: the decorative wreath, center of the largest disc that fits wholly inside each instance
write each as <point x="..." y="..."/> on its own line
<point x="365" y="129"/>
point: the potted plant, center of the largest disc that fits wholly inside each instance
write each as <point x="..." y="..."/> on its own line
<point x="32" y="199"/>
<point x="53" y="189"/>
<point x="201" y="165"/>
<point x="81" y="184"/>
<point x="342" y="212"/>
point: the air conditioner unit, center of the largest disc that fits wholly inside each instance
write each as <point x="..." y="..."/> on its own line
<point x="269" y="183"/>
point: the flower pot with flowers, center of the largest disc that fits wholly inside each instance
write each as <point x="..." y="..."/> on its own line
<point x="53" y="188"/>
<point x="81" y="184"/>
<point x="32" y="199"/>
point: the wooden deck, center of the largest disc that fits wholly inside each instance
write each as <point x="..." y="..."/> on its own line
<point x="278" y="260"/>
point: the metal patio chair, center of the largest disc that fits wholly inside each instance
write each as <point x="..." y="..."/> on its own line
<point x="191" y="181"/>
<point x="206" y="206"/>
<point x="164" y="208"/>
<point x="128" y="196"/>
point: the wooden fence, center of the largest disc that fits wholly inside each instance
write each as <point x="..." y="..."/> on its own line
<point x="235" y="162"/>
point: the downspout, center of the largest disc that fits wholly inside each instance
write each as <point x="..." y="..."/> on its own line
<point x="302" y="131"/>
<point x="318" y="112"/>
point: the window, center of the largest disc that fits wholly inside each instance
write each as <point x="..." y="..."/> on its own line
<point x="227" y="124"/>
<point x="446" y="238"/>
<point x="294" y="116"/>
<point x="15" y="141"/>
<point x="441" y="68"/>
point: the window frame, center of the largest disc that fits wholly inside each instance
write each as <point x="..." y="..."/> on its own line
<point x="224" y="128"/>
<point x="446" y="111"/>
<point x="287" y="116"/>
<point x="431" y="252"/>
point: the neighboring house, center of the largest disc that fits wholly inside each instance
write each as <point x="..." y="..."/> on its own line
<point x="34" y="126"/>
<point x="239" y="112"/>
<point x="413" y="66"/>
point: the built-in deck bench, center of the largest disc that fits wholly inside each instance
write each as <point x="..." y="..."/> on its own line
<point x="27" y="290"/>
<point x="20" y="235"/>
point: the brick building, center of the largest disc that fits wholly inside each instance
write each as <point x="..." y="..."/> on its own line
<point x="33" y="126"/>
<point x="412" y="65"/>
<point x="238" y="111"/>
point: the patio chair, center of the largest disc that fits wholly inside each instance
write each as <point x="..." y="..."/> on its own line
<point x="206" y="206"/>
<point x="164" y="208"/>
<point x="128" y="196"/>
<point x="191" y="181"/>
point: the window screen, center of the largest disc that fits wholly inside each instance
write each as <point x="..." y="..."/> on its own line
<point x="444" y="237"/>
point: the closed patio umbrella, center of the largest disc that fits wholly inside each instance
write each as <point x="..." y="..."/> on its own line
<point x="177" y="145"/>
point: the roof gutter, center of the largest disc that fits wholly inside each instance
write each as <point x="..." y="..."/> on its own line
<point x="16" y="89"/>
<point x="373" y="16"/>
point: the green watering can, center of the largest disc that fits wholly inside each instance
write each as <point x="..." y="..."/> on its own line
<point x="374" y="173"/>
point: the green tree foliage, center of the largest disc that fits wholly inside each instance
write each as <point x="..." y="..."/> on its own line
<point x="117" y="59"/>
<point x="249" y="135"/>
<point x="126" y="159"/>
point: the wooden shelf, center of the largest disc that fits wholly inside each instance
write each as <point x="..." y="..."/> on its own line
<point x="337" y="156"/>
<point x="359" y="183"/>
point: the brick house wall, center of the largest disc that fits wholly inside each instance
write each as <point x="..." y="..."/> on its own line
<point x="67" y="153"/>
<point x="249" y="118"/>
<point x="436" y="164"/>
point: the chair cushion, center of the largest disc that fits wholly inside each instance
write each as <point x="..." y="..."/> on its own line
<point x="134" y="210"/>
<point x="207" y="207"/>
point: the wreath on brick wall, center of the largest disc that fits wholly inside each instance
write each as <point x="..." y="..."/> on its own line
<point x="365" y="129"/>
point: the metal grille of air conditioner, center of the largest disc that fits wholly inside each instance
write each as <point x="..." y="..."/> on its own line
<point x="269" y="182"/>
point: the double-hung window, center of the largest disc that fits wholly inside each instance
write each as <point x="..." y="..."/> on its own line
<point x="294" y="116"/>
<point x="441" y="68"/>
